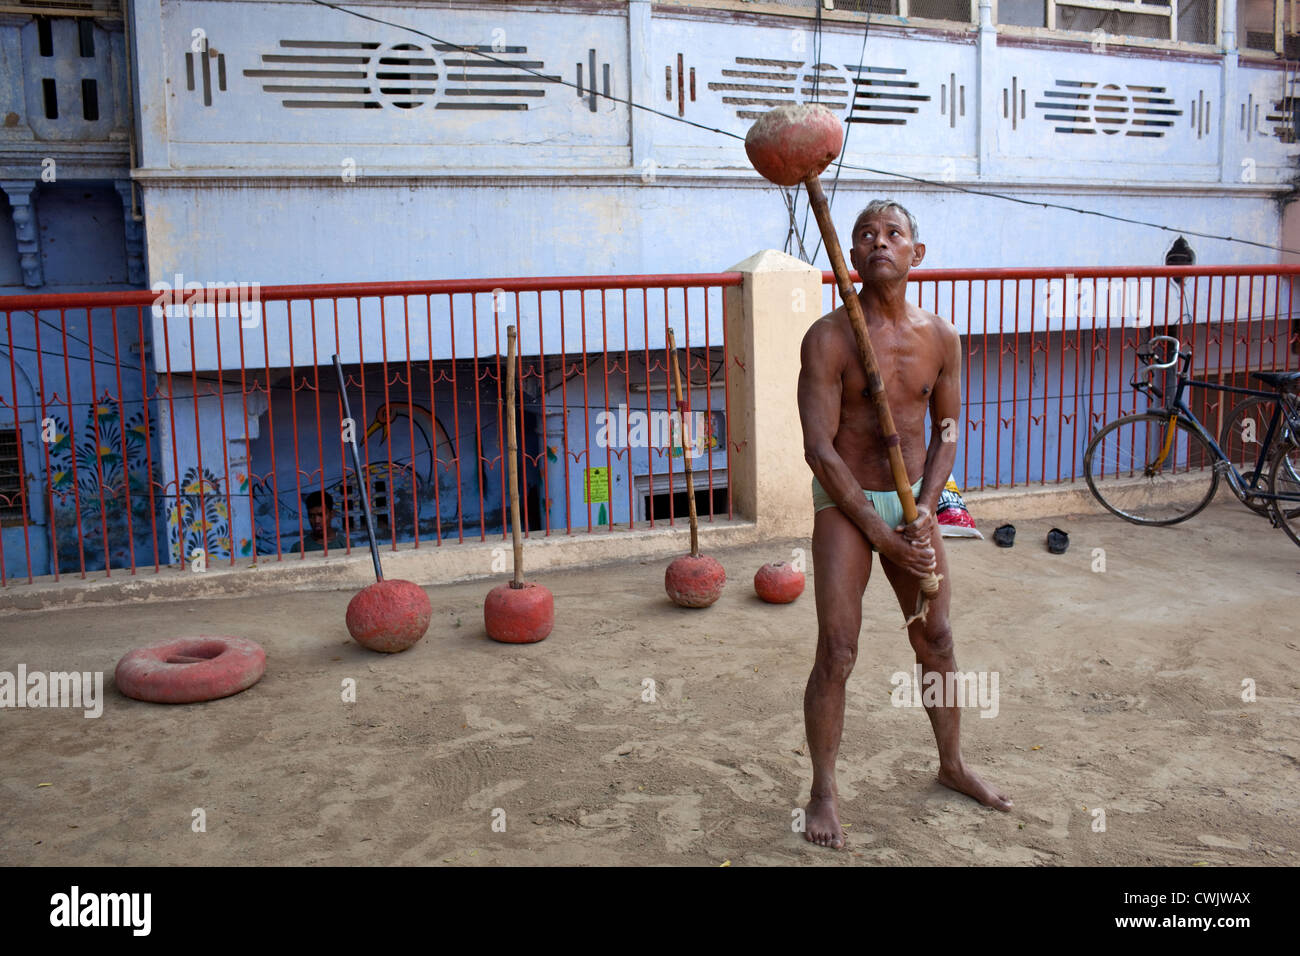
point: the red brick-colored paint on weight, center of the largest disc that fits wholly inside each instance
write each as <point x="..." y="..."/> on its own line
<point x="778" y="583"/>
<point x="523" y="615"/>
<point x="389" y="616"/>
<point x="188" y="670"/>
<point x="694" y="580"/>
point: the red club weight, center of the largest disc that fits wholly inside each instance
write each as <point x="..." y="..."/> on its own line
<point x="778" y="583"/>
<point x="693" y="580"/>
<point x="389" y="616"/>
<point x="518" y="612"/>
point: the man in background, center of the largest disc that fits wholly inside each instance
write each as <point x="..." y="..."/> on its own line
<point x="320" y="514"/>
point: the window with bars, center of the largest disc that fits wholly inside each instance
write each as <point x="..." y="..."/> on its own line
<point x="11" y="478"/>
<point x="1189" y="21"/>
<point x="1185" y="21"/>
<point x="1269" y="27"/>
<point x="957" y="11"/>
<point x="111" y="9"/>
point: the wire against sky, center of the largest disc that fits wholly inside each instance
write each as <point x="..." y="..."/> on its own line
<point x="848" y="128"/>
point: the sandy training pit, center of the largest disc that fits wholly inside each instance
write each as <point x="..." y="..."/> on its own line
<point x="1119" y="691"/>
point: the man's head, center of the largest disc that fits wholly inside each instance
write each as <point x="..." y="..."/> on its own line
<point x="885" y="242"/>
<point x="320" y="512"/>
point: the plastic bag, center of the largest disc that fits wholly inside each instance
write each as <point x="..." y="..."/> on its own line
<point x="954" y="520"/>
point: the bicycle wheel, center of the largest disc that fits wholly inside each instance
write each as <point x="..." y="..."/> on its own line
<point x="1242" y="440"/>
<point x="1284" y="481"/>
<point x="1140" y="471"/>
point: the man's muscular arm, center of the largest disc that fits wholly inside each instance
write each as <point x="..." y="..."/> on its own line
<point x="945" y="411"/>
<point x="822" y="366"/>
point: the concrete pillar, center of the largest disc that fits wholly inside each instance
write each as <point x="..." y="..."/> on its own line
<point x="149" y="59"/>
<point x="766" y="319"/>
<point x="13" y="92"/>
<point x="22" y="203"/>
<point x="988" y="84"/>
<point x="640" y="50"/>
<point x="1231" y="148"/>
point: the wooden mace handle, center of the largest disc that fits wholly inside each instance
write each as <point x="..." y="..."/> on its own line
<point x="875" y="385"/>
<point x="512" y="447"/>
<point x="686" y="452"/>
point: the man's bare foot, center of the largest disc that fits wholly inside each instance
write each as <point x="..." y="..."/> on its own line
<point x="822" y="823"/>
<point x="964" y="780"/>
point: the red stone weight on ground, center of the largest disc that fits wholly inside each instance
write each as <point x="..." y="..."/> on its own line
<point x="694" y="580"/>
<point x="188" y="670"/>
<point x="778" y="583"/>
<point x="523" y="615"/>
<point x="389" y="616"/>
<point x="791" y="143"/>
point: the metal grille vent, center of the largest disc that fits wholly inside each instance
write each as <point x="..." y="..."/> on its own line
<point x="867" y="94"/>
<point x="330" y="74"/>
<point x="404" y="75"/>
<point x="1277" y="112"/>
<point x="1284" y="117"/>
<point x="758" y="82"/>
<point x="884" y="96"/>
<point x="1202" y="110"/>
<point x="1270" y="117"/>
<point x="1085" y="107"/>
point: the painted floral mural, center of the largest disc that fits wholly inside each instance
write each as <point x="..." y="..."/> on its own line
<point x="102" y="475"/>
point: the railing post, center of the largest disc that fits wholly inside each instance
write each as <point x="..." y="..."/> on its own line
<point x="766" y="318"/>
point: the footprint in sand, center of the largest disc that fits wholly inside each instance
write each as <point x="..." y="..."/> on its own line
<point x="748" y="781"/>
<point x="678" y="819"/>
<point x="490" y="797"/>
<point x="983" y="853"/>
<point x="1225" y="843"/>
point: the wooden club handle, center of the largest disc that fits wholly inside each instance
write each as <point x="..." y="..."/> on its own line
<point x="512" y="451"/>
<point x="686" y="452"/>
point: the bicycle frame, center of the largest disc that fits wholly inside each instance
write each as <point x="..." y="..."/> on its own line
<point x="1178" y="409"/>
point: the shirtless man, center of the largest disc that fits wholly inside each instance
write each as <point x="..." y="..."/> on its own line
<point x="857" y="510"/>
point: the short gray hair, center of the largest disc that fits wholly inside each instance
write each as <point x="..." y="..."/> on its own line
<point x="877" y="206"/>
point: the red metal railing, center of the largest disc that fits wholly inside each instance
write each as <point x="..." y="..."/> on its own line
<point x="129" y="439"/>
<point x="1048" y="354"/>
<point x="138" y="430"/>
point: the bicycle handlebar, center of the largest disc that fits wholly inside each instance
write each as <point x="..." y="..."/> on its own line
<point x="1147" y="351"/>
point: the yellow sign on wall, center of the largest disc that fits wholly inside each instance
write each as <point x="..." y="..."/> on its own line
<point x="597" y="485"/>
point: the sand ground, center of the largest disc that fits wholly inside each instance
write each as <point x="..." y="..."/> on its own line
<point x="1118" y="690"/>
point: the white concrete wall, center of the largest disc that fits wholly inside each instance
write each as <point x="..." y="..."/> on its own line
<point x="248" y="189"/>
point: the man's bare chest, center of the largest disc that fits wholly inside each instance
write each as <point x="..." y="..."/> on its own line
<point x="909" y="368"/>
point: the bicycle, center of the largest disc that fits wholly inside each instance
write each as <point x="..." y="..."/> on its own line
<point x="1241" y="432"/>
<point x="1162" y="466"/>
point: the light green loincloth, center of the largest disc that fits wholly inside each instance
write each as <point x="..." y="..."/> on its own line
<point x="887" y="503"/>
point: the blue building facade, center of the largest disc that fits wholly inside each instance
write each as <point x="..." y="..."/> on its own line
<point x="70" y="221"/>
